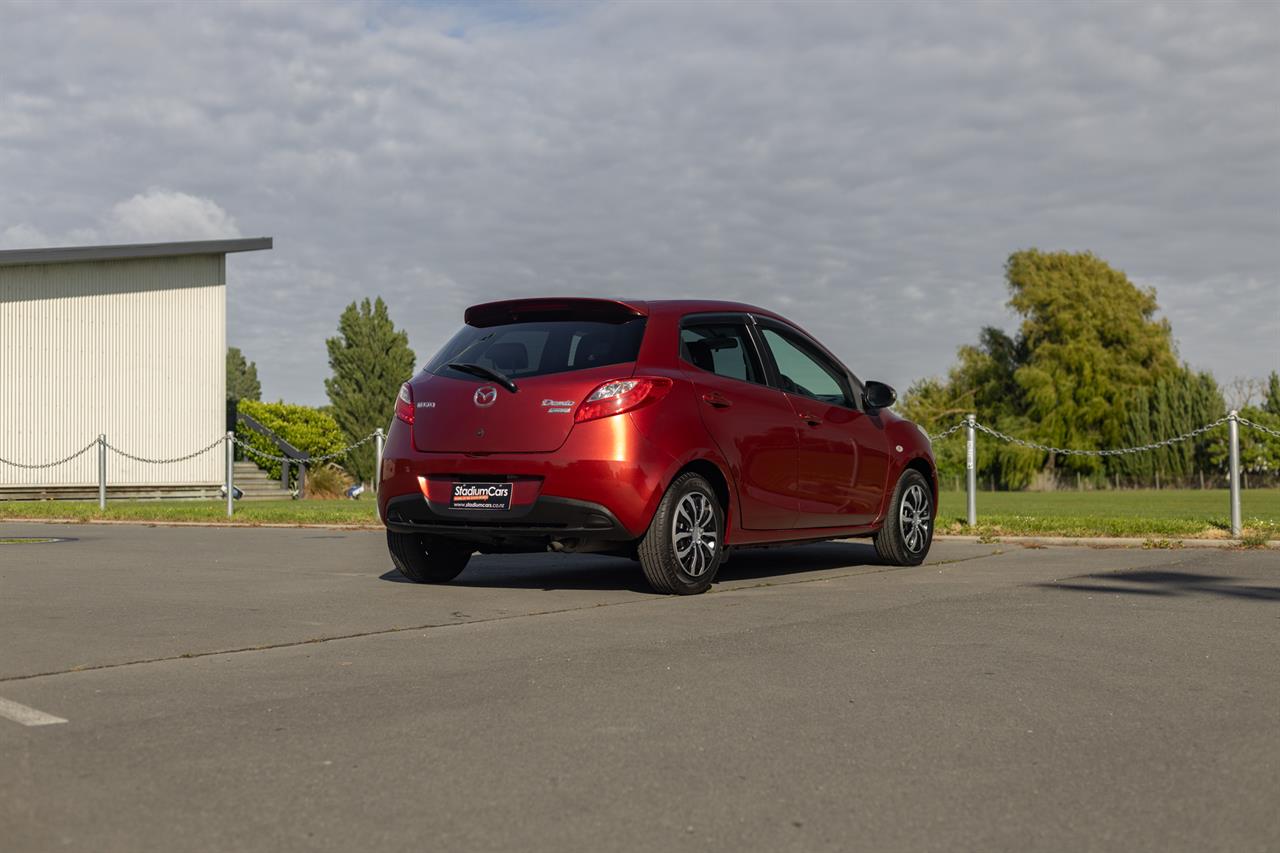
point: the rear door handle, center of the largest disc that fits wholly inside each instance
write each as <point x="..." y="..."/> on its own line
<point x="716" y="399"/>
<point x="811" y="420"/>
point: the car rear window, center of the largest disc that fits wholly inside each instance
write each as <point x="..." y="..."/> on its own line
<point x="538" y="348"/>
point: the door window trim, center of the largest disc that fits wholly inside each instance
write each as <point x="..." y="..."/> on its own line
<point x="851" y="385"/>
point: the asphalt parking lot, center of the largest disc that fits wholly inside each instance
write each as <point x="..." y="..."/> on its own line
<point x="255" y="689"/>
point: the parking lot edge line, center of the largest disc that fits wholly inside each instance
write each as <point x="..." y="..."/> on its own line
<point x="25" y="715"/>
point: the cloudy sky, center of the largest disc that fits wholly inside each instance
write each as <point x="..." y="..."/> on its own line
<point x="863" y="168"/>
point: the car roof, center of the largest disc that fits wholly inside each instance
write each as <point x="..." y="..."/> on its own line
<point x="699" y="306"/>
<point x="490" y="312"/>
<point x="686" y="305"/>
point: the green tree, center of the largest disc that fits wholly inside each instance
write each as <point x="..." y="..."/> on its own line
<point x="1272" y="403"/>
<point x="242" y="377"/>
<point x="370" y="360"/>
<point x="1259" y="451"/>
<point x="1090" y="367"/>
<point x="1174" y="405"/>
<point x="1091" y="337"/>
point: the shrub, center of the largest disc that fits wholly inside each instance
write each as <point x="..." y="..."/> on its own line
<point x="327" y="481"/>
<point x="307" y="429"/>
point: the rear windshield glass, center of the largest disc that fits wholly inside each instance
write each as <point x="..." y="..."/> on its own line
<point x="538" y="348"/>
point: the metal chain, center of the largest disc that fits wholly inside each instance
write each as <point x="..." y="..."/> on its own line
<point x="82" y="451"/>
<point x="1063" y="451"/>
<point x="210" y="446"/>
<point x="948" y="432"/>
<point x="1258" y="426"/>
<point x="249" y="448"/>
<point x="1120" y="451"/>
<point x="272" y="458"/>
<point x="368" y="438"/>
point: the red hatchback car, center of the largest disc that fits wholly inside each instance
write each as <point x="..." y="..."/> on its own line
<point x="669" y="432"/>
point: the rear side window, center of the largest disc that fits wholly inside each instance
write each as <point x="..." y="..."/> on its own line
<point x="720" y="348"/>
<point x="538" y="348"/>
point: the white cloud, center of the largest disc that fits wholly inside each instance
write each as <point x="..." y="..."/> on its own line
<point x="159" y="215"/>
<point x="22" y="236"/>
<point x="155" y="216"/>
<point x="874" y="163"/>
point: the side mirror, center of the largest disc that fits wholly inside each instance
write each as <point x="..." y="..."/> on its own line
<point x="877" y="395"/>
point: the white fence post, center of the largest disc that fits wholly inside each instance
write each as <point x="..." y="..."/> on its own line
<point x="231" y="456"/>
<point x="102" y="472"/>
<point x="377" y="458"/>
<point x="1233" y="427"/>
<point x="971" y="468"/>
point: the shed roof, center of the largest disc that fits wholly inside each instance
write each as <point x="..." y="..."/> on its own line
<point x="77" y="254"/>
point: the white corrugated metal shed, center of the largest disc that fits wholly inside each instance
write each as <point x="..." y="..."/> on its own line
<point x="129" y="341"/>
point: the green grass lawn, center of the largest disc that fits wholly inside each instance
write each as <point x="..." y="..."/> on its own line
<point x="364" y="511"/>
<point x="1141" y="512"/>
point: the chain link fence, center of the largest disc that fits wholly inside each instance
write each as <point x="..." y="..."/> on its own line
<point x="228" y="442"/>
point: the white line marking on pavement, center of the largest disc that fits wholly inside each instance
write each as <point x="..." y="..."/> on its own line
<point x="27" y="716"/>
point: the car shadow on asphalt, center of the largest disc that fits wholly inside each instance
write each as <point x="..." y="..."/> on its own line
<point x="592" y="571"/>
<point x="762" y="563"/>
<point x="1166" y="583"/>
<point x="545" y="572"/>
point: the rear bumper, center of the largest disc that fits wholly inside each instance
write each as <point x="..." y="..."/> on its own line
<point x="546" y="518"/>
<point x="604" y="483"/>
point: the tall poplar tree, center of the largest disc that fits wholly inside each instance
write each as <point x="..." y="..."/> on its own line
<point x="242" y="377"/>
<point x="370" y="359"/>
<point x="1272" y="403"/>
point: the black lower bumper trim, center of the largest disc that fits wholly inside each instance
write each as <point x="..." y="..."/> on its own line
<point x="548" y="518"/>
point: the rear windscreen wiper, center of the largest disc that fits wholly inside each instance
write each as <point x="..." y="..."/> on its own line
<point x="485" y="373"/>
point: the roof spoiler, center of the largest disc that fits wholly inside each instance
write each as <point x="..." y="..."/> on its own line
<point x="546" y="309"/>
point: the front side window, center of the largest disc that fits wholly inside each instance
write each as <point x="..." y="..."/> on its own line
<point x="720" y="348"/>
<point x="538" y="348"/>
<point x="805" y="371"/>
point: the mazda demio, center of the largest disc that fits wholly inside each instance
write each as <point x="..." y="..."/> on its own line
<point x="670" y="432"/>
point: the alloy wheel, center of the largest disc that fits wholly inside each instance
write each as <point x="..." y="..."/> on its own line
<point x="695" y="534"/>
<point x="913" y="518"/>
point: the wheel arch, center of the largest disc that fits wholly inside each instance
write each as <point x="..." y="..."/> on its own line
<point x="713" y="475"/>
<point x="923" y="465"/>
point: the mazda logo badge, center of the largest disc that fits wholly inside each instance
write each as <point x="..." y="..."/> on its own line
<point x="486" y="396"/>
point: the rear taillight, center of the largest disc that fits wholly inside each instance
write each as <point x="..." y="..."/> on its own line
<point x="622" y="395"/>
<point x="404" y="404"/>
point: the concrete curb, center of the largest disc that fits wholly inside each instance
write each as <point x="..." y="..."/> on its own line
<point x="1101" y="541"/>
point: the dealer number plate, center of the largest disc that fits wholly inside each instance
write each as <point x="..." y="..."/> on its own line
<point x="488" y="496"/>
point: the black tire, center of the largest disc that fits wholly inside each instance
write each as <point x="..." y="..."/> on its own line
<point x="900" y="542"/>
<point x="423" y="560"/>
<point x="685" y="512"/>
